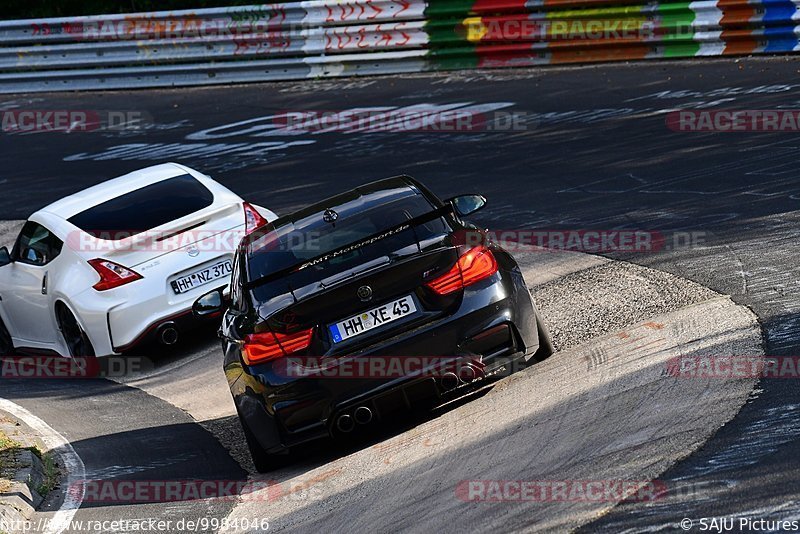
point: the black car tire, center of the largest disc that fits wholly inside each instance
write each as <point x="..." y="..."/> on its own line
<point x="264" y="461"/>
<point x="6" y="344"/>
<point x="77" y="341"/>
<point x="545" y="341"/>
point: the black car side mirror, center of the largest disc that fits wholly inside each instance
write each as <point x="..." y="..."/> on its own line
<point x="467" y="204"/>
<point x="5" y="257"/>
<point x="209" y="304"/>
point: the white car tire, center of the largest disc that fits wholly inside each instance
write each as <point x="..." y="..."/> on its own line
<point x="77" y="341"/>
<point x="6" y="343"/>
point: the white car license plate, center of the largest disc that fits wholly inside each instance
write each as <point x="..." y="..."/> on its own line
<point x="364" y="322"/>
<point x="202" y="277"/>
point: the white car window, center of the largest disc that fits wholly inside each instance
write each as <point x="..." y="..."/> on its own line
<point x="145" y="208"/>
<point x="36" y="245"/>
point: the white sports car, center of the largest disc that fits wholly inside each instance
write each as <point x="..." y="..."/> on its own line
<point x="100" y="271"/>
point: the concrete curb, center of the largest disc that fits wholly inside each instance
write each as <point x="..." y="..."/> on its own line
<point x="21" y="499"/>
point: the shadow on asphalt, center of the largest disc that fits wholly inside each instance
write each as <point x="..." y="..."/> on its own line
<point x="194" y="341"/>
<point x="597" y="421"/>
<point x="586" y="436"/>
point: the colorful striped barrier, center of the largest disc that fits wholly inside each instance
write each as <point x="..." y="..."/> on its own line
<point x="320" y="38"/>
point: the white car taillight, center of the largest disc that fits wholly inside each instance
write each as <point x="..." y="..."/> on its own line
<point x="253" y="219"/>
<point x="112" y="274"/>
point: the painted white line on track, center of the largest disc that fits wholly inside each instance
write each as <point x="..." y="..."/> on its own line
<point x="76" y="471"/>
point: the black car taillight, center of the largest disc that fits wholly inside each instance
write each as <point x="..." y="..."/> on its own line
<point x="476" y="264"/>
<point x="266" y="346"/>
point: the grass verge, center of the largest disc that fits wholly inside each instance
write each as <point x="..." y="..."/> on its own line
<point x="9" y="462"/>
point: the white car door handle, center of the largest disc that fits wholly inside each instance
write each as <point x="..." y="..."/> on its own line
<point x="44" y="284"/>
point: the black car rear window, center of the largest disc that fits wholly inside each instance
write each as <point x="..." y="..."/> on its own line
<point x="144" y="209"/>
<point x="292" y="244"/>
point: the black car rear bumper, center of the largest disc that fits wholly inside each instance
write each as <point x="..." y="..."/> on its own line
<point x="494" y="326"/>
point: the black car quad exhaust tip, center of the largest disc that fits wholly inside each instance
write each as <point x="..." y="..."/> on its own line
<point x="345" y="423"/>
<point x="362" y="415"/>
<point x="467" y="374"/>
<point x="449" y="381"/>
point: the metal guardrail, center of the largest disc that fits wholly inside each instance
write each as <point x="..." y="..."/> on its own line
<point x="321" y="38"/>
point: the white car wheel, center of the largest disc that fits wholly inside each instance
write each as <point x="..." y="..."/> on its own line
<point x="6" y="344"/>
<point x="76" y="339"/>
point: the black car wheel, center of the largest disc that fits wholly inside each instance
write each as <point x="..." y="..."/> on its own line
<point x="263" y="461"/>
<point x="545" y="341"/>
<point x="76" y="339"/>
<point x="6" y="345"/>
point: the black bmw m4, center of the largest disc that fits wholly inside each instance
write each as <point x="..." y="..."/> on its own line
<point x="376" y="301"/>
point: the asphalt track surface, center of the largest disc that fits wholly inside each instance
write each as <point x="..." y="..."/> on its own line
<point x="594" y="152"/>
